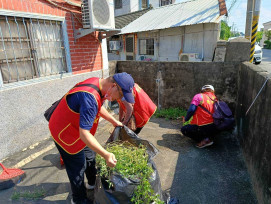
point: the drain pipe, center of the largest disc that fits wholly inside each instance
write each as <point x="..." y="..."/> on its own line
<point x="158" y="81"/>
<point x="268" y="77"/>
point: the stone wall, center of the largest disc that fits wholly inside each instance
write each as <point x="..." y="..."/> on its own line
<point x="254" y="129"/>
<point x="178" y="82"/>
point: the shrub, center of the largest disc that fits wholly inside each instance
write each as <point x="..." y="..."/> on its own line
<point x="268" y="44"/>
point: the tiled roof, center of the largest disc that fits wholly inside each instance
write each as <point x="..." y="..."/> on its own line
<point x="124" y="20"/>
<point x="174" y="15"/>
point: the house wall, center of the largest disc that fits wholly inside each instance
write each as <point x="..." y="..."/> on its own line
<point x="154" y="3"/>
<point x="85" y="53"/>
<point x="126" y="8"/>
<point x="200" y="39"/>
<point x="266" y="27"/>
<point x="23" y="103"/>
<point x="22" y="122"/>
<point x="170" y="44"/>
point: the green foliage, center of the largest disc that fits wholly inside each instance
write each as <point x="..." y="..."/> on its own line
<point x="268" y="44"/>
<point x="225" y="32"/>
<point x="132" y="163"/>
<point x="170" y="113"/>
<point x="259" y="36"/>
<point x="268" y="34"/>
<point x="39" y="193"/>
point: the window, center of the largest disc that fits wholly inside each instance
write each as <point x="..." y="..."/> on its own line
<point x="144" y="4"/>
<point x="146" y="47"/>
<point x="165" y="2"/>
<point x="118" y="4"/>
<point x="30" y="48"/>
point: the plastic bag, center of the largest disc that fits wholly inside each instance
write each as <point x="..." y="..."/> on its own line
<point x="123" y="187"/>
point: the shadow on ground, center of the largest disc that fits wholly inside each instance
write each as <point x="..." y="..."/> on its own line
<point x="212" y="175"/>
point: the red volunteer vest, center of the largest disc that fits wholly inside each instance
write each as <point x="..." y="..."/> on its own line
<point x="144" y="108"/>
<point x="201" y="117"/>
<point x="64" y="122"/>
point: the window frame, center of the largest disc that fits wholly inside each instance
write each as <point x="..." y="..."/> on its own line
<point x="149" y="51"/>
<point x="119" y="5"/>
<point x="65" y="43"/>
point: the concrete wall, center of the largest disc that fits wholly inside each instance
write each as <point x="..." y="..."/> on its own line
<point x="180" y="81"/>
<point x="254" y="129"/>
<point x="22" y="123"/>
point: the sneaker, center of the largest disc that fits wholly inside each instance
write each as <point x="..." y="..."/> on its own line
<point x="89" y="187"/>
<point x="205" y="143"/>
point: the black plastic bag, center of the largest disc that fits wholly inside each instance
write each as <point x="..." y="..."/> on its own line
<point x="123" y="187"/>
<point x="48" y="113"/>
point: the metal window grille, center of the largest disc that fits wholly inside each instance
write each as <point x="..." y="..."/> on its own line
<point x="146" y="46"/>
<point x="118" y="4"/>
<point x="30" y="48"/>
<point x="129" y="44"/>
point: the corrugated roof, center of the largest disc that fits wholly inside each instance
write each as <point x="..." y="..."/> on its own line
<point x="174" y="15"/>
<point x="124" y="20"/>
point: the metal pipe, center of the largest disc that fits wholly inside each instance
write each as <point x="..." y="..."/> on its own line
<point x="42" y="48"/>
<point x="258" y="93"/>
<point x="5" y="52"/>
<point x="34" y="48"/>
<point x="18" y="76"/>
<point x="48" y="45"/>
<point x="30" y="55"/>
<point x="19" y="34"/>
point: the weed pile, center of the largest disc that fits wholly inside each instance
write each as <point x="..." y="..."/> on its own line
<point x="132" y="163"/>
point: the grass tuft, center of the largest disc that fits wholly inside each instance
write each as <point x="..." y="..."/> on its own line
<point x="170" y="113"/>
<point x="36" y="194"/>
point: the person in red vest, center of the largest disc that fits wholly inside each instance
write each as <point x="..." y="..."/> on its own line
<point x="74" y="122"/>
<point x="201" y="128"/>
<point x="137" y="113"/>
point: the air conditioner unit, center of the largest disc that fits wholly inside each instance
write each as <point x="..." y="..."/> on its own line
<point x="114" y="45"/>
<point x="189" y="57"/>
<point x="98" y="14"/>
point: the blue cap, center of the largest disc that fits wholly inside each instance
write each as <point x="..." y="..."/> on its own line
<point x="126" y="83"/>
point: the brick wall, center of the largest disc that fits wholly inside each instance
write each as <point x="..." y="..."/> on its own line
<point x="86" y="52"/>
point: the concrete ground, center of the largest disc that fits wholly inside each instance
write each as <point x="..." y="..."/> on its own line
<point x="214" y="175"/>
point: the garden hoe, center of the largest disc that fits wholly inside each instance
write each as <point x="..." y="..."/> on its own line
<point x="10" y="177"/>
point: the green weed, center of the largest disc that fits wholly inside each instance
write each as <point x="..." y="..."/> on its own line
<point x="29" y="195"/>
<point x="170" y="113"/>
<point x="132" y="163"/>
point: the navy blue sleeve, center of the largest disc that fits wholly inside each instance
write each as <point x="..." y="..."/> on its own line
<point x="192" y="109"/>
<point x="85" y="104"/>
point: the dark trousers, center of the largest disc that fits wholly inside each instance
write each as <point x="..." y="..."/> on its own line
<point x="198" y="133"/>
<point x="76" y="165"/>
